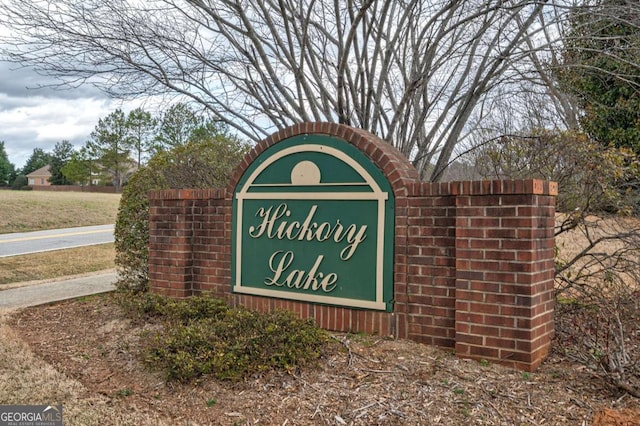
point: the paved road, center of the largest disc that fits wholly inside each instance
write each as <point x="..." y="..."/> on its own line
<point x="32" y="294"/>
<point x="57" y="239"/>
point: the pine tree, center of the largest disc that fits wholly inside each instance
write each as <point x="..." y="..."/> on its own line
<point x="7" y="169"/>
<point x="112" y="147"/>
<point x="61" y="154"/>
<point x="141" y="127"/>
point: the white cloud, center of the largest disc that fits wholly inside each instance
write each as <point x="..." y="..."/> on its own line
<point x="39" y="122"/>
<point x="53" y="118"/>
<point x="38" y="118"/>
<point x="35" y="114"/>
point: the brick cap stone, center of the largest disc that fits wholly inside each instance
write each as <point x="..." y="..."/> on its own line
<point x="187" y="194"/>
<point x="505" y="187"/>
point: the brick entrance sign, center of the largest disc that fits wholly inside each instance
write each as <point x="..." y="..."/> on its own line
<point x="332" y="223"/>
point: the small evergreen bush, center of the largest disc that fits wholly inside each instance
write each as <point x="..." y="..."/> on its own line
<point x="203" y="336"/>
<point x="149" y="305"/>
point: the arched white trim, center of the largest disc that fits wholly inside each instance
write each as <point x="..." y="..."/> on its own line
<point x="311" y="148"/>
<point x="377" y="194"/>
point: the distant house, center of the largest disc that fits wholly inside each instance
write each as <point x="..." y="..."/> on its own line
<point x="39" y="177"/>
<point x="114" y="176"/>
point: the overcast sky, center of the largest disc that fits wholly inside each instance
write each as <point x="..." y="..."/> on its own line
<point x="38" y="118"/>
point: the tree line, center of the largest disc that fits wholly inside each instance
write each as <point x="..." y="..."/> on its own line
<point x="119" y="144"/>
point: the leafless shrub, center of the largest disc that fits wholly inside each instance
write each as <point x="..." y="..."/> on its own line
<point x="597" y="244"/>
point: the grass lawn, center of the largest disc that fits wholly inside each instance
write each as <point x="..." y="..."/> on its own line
<point x="24" y="211"/>
<point x="56" y="264"/>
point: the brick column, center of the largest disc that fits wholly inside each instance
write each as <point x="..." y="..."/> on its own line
<point x="504" y="271"/>
<point x="170" y="242"/>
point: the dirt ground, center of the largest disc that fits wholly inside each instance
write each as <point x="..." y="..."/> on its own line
<point x="91" y="351"/>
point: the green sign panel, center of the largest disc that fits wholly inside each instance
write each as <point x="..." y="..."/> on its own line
<point x="313" y="220"/>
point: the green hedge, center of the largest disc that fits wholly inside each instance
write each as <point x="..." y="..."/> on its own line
<point x="203" y="164"/>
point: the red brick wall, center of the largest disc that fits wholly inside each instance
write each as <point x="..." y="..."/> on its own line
<point x="431" y="279"/>
<point x="473" y="261"/>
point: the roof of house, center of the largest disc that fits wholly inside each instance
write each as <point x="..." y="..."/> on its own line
<point x="42" y="171"/>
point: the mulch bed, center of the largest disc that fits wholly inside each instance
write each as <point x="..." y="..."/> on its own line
<point x="363" y="380"/>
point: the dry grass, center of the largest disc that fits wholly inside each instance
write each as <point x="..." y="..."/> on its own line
<point x="26" y="378"/>
<point x="617" y="252"/>
<point x="55" y="264"/>
<point x="570" y="243"/>
<point x="24" y="211"/>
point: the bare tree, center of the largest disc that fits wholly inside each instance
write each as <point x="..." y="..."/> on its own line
<point x="412" y="72"/>
<point x="582" y="56"/>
